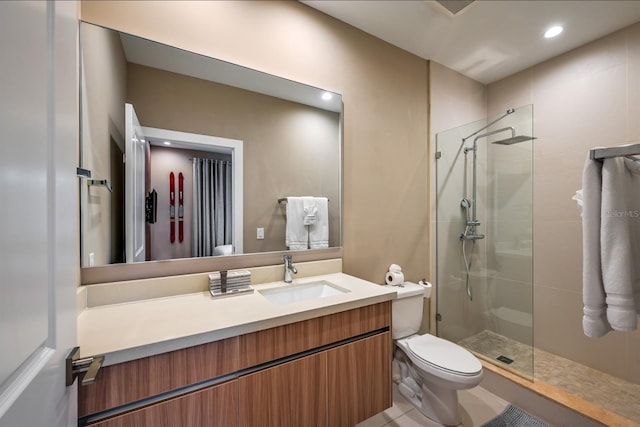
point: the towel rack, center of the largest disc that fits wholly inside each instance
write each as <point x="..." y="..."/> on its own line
<point x="282" y="200"/>
<point x="619" y="151"/>
<point x="100" y="183"/>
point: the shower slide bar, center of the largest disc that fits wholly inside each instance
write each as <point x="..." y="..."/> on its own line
<point x="619" y="151"/>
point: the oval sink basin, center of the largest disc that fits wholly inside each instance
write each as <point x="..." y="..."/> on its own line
<point x="303" y="292"/>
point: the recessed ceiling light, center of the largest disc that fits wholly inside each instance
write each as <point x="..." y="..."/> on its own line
<point x="553" y="31"/>
<point x="167" y="143"/>
<point x="327" y="96"/>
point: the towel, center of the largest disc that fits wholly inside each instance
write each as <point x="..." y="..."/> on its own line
<point x="594" y="321"/>
<point x="611" y="245"/>
<point x="310" y="210"/>
<point x="578" y="198"/>
<point x="620" y="241"/>
<point x="319" y="232"/>
<point x="296" y="233"/>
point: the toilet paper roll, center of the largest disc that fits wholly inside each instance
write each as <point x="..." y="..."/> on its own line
<point x="393" y="278"/>
<point x="395" y="268"/>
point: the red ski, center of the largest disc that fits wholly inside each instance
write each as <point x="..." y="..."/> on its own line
<point x="180" y="207"/>
<point x="172" y="206"/>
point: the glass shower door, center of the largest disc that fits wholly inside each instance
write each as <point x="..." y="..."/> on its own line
<point x="484" y="239"/>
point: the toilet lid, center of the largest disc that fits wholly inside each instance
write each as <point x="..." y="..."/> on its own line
<point x="445" y="355"/>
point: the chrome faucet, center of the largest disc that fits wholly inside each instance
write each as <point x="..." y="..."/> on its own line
<point x="288" y="269"/>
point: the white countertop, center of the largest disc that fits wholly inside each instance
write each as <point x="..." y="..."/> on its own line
<point x="132" y="330"/>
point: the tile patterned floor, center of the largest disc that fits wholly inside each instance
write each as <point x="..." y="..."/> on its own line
<point x="605" y="390"/>
<point x="477" y="406"/>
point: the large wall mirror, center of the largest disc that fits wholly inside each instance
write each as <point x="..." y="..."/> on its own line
<point x="192" y="157"/>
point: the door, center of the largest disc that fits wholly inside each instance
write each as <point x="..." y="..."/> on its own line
<point x="216" y="406"/>
<point x="290" y="394"/>
<point x="136" y="151"/>
<point x="39" y="255"/>
<point x="359" y="373"/>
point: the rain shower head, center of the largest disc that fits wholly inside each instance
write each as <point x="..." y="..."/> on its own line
<point x="506" y="141"/>
<point x="515" y="139"/>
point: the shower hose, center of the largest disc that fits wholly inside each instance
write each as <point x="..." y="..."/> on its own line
<point x="466" y="204"/>
<point x="467" y="261"/>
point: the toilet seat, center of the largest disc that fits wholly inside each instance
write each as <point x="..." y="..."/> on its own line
<point x="441" y="357"/>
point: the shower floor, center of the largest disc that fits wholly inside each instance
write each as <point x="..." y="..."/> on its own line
<point x="607" y="391"/>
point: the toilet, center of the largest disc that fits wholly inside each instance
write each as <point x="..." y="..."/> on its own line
<point x="429" y="370"/>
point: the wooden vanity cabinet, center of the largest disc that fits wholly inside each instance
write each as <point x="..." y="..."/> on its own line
<point x="329" y="371"/>
<point x="216" y="406"/>
<point x="289" y="394"/>
<point x="359" y="380"/>
<point x="127" y="382"/>
<point x="339" y="387"/>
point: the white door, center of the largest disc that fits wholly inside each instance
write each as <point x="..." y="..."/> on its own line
<point x="136" y="152"/>
<point x="39" y="259"/>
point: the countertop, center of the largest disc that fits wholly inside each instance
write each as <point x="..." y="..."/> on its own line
<point x="133" y="330"/>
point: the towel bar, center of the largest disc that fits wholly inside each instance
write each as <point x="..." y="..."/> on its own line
<point x="619" y="151"/>
<point x="284" y="200"/>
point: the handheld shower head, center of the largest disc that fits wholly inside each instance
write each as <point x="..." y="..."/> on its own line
<point x="466" y="205"/>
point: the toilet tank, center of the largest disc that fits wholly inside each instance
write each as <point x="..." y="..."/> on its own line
<point x="406" y="310"/>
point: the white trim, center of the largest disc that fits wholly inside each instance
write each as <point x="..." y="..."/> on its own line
<point x="206" y="142"/>
<point x="15" y="385"/>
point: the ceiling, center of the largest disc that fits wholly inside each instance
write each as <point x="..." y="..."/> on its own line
<point x="487" y="40"/>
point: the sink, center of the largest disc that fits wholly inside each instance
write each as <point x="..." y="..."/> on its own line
<point x="303" y="292"/>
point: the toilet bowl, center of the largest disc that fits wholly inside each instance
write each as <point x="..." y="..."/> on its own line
<point x="429" y="370"/>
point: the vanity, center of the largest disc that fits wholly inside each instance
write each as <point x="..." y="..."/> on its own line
<point x="245" y="360"/>
<point x="316" y="352"/>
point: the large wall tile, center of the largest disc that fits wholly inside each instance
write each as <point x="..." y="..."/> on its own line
<point x="633" y="97"/>
<point x="558" y="329"/>
<point x="557" y="251"/>
<point x="633" y="359"/>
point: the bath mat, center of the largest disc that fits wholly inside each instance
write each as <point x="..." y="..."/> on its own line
<point x="515" y="417"/>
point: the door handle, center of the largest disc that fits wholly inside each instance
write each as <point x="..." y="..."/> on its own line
<point x="75" y="366"/>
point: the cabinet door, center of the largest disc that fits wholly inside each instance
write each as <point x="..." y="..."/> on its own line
<point x="289" y="395"/>
<point x="359" y="374"/>
<point x="212" y="407"/>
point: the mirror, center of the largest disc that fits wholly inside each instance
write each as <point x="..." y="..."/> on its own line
<point x="277" y="138"/>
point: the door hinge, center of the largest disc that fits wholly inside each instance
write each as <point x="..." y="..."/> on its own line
<point x="439" y="317"/>
<point x="75" y="365"/>
<point x="438" y="155"/>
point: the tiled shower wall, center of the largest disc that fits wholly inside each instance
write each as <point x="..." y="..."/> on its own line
<point x="585" y="98"/>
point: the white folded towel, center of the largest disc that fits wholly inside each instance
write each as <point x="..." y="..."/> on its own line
<point x="611" y="245"/>
<point x="620" y="241"/>
<point x="578" y="198"/>
<point x="594" y="321"/>
<point x="319" y="232"/>
<point x="296" y="233"/>
<point x="310" y="210"/>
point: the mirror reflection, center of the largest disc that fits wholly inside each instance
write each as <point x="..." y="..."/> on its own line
<point x="191" y="156"/>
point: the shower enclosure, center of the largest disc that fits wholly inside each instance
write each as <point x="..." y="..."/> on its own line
<point x="484" y="238"/>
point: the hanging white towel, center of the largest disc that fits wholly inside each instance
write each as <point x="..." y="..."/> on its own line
<point x="594" y="321"/>
<point x="310" y="210"/>
<point x="611" y="245"/>
<point x="319" y="232"/>
<point x="620" y="241"/>
<point x="296" y="233"/>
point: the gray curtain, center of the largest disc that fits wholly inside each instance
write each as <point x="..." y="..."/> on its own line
<point x="212" y="203"/>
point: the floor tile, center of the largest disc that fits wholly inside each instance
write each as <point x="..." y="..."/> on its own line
<point x="477" y="406"/>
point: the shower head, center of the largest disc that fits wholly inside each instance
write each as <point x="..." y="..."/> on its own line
<point x="506" y="141"/>
<point x="515" y="140"/>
